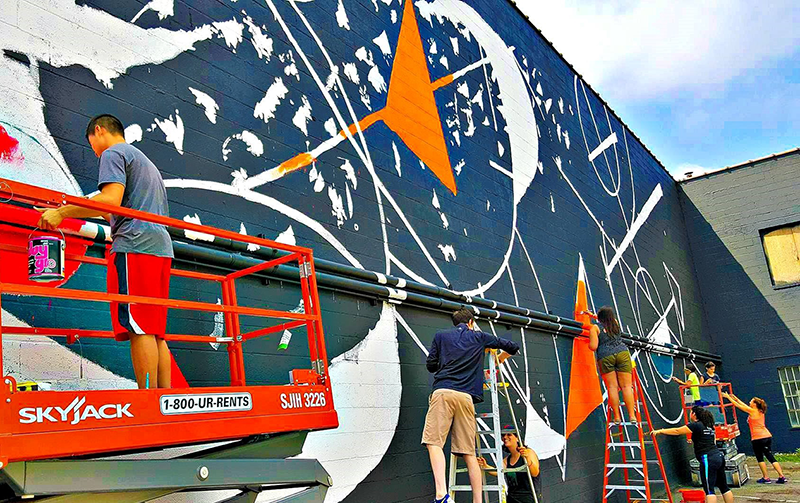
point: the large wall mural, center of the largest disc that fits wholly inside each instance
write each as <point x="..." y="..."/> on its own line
<point x="440" y="141"/>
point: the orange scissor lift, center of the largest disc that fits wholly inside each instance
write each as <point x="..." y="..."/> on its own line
<point x="47" y="436"/>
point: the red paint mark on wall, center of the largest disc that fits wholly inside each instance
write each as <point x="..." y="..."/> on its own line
<point x="9" y="148"/>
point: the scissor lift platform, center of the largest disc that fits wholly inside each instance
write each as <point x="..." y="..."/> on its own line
<point x="53" y="425"/>
<point x="251" y="466"/>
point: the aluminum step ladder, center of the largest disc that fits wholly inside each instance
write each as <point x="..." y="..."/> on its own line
<point x="488" y="441"/>
<point x="638" y="471"/>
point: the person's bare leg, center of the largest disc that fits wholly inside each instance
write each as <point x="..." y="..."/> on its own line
<point x="763" y="466"/>
<point x="728" y="497"/>
<point x="144" y="356"/>
<point x="164" y="364"/>
<point x="438" y="463"/>
<point x="613" y="392"/>
<point x="475" y="477"/>
<point x="778" y="469"/>
<point x="626" y="384"/>
<point x="711" y="498"/>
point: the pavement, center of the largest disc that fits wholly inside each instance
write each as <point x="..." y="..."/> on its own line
<point x="775" y="493"/>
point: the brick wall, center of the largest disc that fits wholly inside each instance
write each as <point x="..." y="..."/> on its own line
<point x="753" y="325"/>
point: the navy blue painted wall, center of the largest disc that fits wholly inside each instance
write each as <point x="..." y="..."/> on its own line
<point x="559" y="218"/>
<point x="753" y="325"/>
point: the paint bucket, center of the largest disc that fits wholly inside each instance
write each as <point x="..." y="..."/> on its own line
<point x="46" y="258"/>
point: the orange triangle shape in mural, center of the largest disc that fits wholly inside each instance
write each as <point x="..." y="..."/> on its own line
<point x="585" y="394"/>
<point x="411" y="107"/>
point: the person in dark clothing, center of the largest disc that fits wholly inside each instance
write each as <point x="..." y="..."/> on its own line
<point x="711" y="376"/>
<point x="614" y="360"/>
<point x="519" y="486"/>
<point x="712" y="460"/>
<point x="456" y="359"/>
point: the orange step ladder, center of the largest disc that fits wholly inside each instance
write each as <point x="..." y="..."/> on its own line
<point x="638" y="456"/>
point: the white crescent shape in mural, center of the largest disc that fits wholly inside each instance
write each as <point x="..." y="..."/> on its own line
<point x="517" y="108"/>
<point x="366" y="394"/>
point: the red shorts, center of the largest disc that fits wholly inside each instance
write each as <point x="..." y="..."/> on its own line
<point x="143" y="275"/>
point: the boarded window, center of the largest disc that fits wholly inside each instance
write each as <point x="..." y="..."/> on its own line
<point x="790" y="381"/>
<point x="782" y="247"/>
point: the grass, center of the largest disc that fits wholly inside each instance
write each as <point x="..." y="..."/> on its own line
<point x="792" y="457"/>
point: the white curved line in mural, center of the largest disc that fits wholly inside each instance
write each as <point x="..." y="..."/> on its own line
<point x="366" y="393"/>
<point x="269" y="202"/>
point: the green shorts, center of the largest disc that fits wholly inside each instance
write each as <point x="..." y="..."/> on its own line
<point x="618" y="362"/>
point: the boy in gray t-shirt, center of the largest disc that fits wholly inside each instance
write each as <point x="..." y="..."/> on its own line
<point x="141" y="252"/>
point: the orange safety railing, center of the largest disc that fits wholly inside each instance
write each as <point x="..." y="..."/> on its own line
<point x="275" y="401"/>
<point x="725" y="429"/>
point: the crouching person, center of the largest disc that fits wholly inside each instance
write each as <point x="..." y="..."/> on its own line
<point x="518" y="460"/>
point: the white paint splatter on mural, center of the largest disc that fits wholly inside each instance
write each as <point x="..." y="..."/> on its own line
<point x="337" y="206"/>
<point x="396" y="159"/>
<point x="164" y="8"/>
<point x="265" y="109"/>
<point x="261" y="42"/>
<point x="382" y="41"/>
<point x="194" y="235"/>
<point x="350" y="172"/>
<point x="133" y="133"/>
<point x="351" y="72"/>
<point x="302" y="116"/>
<point x="207" y="102"/>
<point x="231" y="31"/>
<point x="454" y="43"/>
<point x="448" y="252"/>
<point x="250" y="246"/>
<point x="172" y="129"/>
<point x="376" y="79"/>
<point x="254" y="145"/>
<point x="330" y="127"/>
<point x="341" y="17"/>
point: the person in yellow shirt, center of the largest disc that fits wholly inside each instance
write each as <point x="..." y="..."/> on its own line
<point x="693" y="381"/>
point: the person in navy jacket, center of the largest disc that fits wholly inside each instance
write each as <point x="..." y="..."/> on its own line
<point x="456" y="360"/>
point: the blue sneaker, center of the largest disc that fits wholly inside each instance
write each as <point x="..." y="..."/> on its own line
<point x="446" y="498"/>
<point x="762" y="480"/>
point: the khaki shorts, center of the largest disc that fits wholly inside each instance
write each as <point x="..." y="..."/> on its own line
<point x="448" y="408"/>
<point x="618" y="362"/>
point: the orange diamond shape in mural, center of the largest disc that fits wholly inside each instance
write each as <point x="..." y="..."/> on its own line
<point x="411" y="110"/>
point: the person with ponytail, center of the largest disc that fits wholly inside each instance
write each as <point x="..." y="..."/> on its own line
<point x="614" y="360"/>
<point x="711" y="459"/>
<point x="759" y="436"/>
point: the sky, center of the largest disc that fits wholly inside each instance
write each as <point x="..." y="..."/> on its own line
<point x="704" y="83"/>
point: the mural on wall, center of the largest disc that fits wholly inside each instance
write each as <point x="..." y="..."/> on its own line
<point x="419" y="139"/>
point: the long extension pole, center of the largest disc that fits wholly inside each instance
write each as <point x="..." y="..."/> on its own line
<point x="516" y="428"/>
